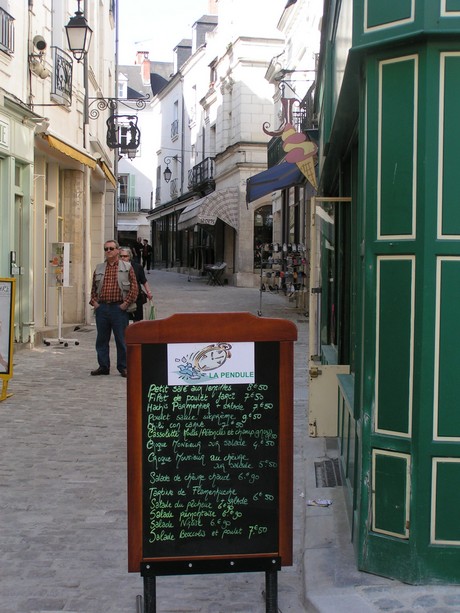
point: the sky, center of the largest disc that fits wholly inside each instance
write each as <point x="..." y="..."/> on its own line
<point x="155" y="26"/>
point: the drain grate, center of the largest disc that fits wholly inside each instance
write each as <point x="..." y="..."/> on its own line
<point x="327" y="473"/>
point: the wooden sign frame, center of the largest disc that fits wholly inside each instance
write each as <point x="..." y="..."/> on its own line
<point x="209" y="328"/>
<point x="7" y="302"/>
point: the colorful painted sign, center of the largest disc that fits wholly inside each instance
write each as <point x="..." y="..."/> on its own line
<point x="208" y="363"/>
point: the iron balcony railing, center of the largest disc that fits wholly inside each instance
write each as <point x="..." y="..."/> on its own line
<point x="275" y="151"/>
<point x="6" y="32"/>
<point x="174" y="188"/>
<point x="202" y="175"/>
<point x="129" y="204"/>
<point x="61" y="84"/>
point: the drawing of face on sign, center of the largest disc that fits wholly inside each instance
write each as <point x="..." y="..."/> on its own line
<point x="212" y="357"/>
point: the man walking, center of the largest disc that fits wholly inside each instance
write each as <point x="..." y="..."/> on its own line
<point x="114" y="289"/>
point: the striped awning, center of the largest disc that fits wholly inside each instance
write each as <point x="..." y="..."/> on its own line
<point x="222" y="204"/>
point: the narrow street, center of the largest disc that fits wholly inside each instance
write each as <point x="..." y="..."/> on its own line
<point x="63" y="475"/>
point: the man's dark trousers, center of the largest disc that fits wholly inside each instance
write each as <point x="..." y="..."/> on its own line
<point x="111" y="318"/>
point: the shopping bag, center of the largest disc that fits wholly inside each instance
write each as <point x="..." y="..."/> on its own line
<point x="152" y="314"/>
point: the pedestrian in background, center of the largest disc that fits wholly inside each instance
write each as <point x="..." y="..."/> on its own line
<point x="137" y="249"/>
<point x="114" y="290"/>
<point x="146" y="255"/>
<point x="144" y="293"/>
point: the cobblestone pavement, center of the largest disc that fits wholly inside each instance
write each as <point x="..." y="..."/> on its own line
<point x="63" y="539"/>
<point x="63" y="534"/>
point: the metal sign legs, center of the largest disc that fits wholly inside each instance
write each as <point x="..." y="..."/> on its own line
<point x="148" y="603"/>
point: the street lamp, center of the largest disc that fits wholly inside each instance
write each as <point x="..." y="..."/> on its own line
<point x="78" y="34"/>
<point x="167" y="174"/>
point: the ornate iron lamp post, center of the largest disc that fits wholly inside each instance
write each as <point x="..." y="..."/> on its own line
<point x="78" y="34"/>
<point x="167" y="174"/>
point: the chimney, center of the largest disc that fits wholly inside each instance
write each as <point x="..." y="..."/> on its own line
<point x="206" y="24"/>
<point x="182" y="52"/>
<point x="142" y="59"/>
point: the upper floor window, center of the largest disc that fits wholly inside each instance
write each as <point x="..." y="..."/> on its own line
<point x="122" y="89"/>
<point x="6" y="32"/>
<point x="123" y="187"/>
<point x="212" y="73"/>
<point x="175" y="123"/>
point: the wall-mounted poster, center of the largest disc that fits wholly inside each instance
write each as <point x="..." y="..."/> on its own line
<point x="59" y="264"/>
<point x="7" y="287"/>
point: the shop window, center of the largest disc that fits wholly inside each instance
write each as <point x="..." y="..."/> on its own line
<point x="263" y="234"/>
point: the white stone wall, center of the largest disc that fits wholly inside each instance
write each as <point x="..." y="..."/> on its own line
<point x="63" y="199"/>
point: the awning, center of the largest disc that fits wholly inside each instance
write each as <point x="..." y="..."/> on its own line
<point x="277" y="177"/>
<point x="222" y="204"/>
<point x="125" y="226"/>
<point x="70" y="151"/>
<point x="108" y="173"/>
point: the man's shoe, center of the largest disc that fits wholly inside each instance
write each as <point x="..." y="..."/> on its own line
<point x="124" y="373"/>
<point x="100" y="371"/>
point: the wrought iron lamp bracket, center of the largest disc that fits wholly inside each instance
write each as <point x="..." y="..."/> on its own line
<point x="102" y="104"/>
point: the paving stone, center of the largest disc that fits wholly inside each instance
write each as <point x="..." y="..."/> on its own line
<point x="63" y="535"/>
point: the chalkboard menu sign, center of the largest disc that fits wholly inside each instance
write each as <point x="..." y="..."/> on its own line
<point x="209" y="439"/>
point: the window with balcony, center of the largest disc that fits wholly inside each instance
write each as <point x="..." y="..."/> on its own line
<point x="174" y="188"/>
<point x="127" y="201"/>
<point x="122" y="186"/>
<point x="201" y="177"/>
<point x="175" y="129"/>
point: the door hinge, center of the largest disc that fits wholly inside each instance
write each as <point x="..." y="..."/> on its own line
<point x="314" y="372"/>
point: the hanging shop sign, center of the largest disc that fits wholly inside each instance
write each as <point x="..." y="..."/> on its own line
<point x="299" y="149"/>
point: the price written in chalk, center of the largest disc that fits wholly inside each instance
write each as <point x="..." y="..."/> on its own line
<point x="210" y="452"/>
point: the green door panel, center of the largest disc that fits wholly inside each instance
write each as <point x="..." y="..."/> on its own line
<point x="394" y="344"/>
<point x="445" y="525"/>
<point x="390" y="495"/>
<point x="447" y="414"/>
<point x="379" y="13"/>
<point x="450" y="137"/>
<point x="452" y="6"/>
<point x="398" y="105"/>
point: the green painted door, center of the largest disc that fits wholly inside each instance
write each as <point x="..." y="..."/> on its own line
<point x="407" y="523"/>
